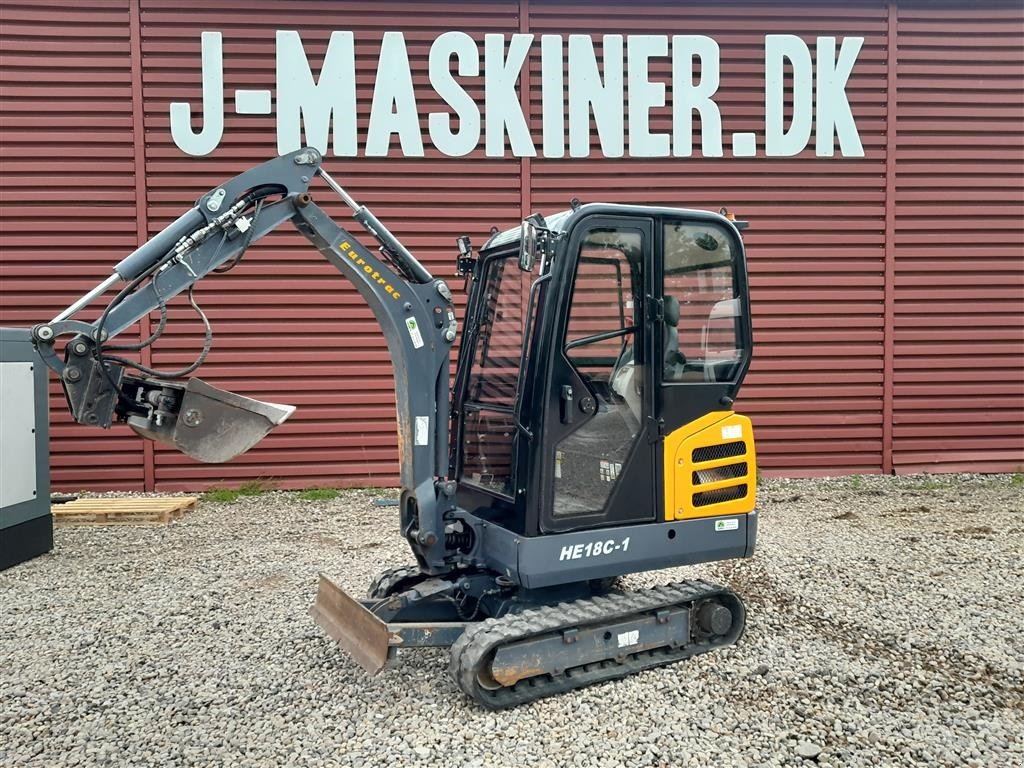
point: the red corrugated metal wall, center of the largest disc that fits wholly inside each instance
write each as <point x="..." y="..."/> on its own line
<point x="67" y="193"/>
<point x="958" y="380"/>
<point x="887" y="290"/>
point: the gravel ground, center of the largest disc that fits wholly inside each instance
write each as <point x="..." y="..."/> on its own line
<point x="886" y="628"/>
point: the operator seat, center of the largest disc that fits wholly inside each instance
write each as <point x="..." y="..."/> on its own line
<point x="625" y="383"/>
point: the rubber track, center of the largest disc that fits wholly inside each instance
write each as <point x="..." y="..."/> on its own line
<point x="476" y="645"/>
<point x="384" y="583"/>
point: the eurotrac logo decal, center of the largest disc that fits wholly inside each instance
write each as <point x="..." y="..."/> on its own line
<point x="619" y="93"/>
<point x="373" y="274"/>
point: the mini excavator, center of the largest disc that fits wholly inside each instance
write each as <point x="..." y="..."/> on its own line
<point x="587" y="432"/>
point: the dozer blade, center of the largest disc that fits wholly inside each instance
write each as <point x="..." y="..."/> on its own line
<point x="214" y="425"/>
<point x="352" y="626"/>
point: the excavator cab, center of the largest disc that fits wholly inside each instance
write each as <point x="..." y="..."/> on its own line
<point x="588" y="433"/>
<point x="579" y="381"/>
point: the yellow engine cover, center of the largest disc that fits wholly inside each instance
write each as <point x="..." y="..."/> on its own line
<point x="710" y="467"/>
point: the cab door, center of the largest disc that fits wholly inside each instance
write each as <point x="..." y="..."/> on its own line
<point x="598" y="450"/>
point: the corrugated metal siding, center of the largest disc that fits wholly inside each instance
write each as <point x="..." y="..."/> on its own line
<point x="959" y="289"/>
<point x="288" y="328"/>
<point x="67" y="210"/>
<point x="817" y="225"/>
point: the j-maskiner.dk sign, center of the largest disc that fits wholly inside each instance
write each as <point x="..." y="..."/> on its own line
<point x="618" y="93"/>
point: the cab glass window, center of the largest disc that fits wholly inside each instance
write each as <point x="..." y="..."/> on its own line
<point x="703" y="311"/>
<point x="499" y="344"/>
<point x="601" y="342"/>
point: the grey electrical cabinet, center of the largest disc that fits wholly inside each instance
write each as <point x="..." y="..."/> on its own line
<point x="26" y="525"/>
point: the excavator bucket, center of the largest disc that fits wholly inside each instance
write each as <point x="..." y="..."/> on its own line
<point x="214" y="425"/>
<point x="351" y="625"/>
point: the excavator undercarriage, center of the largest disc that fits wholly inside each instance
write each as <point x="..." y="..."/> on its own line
<point x="587" y="432"/>
<point x="530" y="648"/>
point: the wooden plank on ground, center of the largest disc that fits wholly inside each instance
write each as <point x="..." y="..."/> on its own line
<point x="134" y="510"/>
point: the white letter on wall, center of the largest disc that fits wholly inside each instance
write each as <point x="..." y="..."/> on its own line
<point x="833" y="106"/>
<point x="643" y="94"/>
<point x="552" y="95"/>
<point x="501" y="101"/>
<point x="467" y="137"/>
<point x="585" y="89"/>
<point x="204" y="142"/>
<point x="303" y="99"/>
<point x="394" y="102"/>
<point x="687" y="97"/>
<point x="778" y="142"/>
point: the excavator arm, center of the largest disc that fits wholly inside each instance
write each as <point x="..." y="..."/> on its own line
<point x="414" y="310"/>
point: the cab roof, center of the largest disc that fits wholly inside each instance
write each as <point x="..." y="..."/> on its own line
<point x="564" y="220"/>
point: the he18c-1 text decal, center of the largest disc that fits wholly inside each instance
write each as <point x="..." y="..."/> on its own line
<point x="618" y="94"/>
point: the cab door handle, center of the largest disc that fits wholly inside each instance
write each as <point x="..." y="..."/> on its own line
<point x="566" y="403"/>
